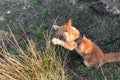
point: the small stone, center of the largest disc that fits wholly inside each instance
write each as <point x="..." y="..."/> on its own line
<point x="24" y="8"/>
<point x="8" y="12"/>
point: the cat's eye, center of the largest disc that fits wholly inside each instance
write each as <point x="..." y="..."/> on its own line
<point x="65" y="30"/>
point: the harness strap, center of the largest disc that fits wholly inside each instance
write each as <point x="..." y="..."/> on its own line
<point x="78" y="40"/>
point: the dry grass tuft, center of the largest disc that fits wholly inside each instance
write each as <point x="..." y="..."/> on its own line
<point x="30" y="63"/>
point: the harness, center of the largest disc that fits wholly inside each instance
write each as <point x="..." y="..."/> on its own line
<point x="78" y="40"/>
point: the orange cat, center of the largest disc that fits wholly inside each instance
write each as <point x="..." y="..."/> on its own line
<point x="69" y="33"/>
<point x="93" y="56"/>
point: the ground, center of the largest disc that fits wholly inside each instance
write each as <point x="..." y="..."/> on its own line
<point x="37" y="18"/>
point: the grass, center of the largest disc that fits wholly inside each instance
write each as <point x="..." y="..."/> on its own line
<point x="31" y="56"/>
<point x="2" y="18"/>
<point x="30" y="64"/>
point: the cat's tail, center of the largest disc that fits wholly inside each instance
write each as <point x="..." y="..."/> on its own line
<point x="112" y="57"/>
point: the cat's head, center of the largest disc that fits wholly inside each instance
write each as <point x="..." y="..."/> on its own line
<point x="85" y="46"/>
<point x="69" y="32"/>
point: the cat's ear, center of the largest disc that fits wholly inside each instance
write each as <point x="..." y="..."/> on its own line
<point x="69" y="23"/>
<point x="84" y="37"/>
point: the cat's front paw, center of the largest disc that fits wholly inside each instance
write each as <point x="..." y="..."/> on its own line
<point x="55" y="41"/>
